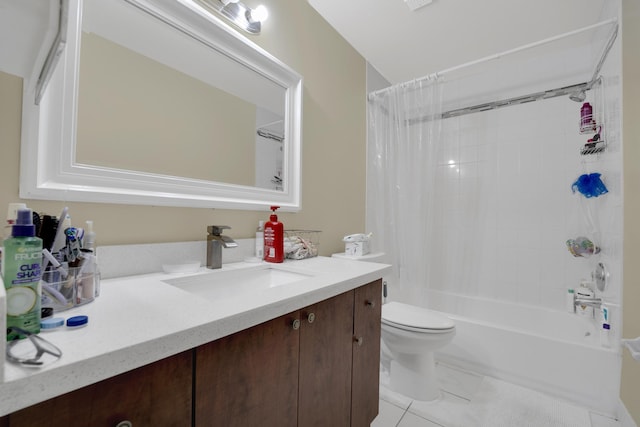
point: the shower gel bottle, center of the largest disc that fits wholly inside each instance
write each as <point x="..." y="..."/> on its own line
<point x="274" y="238"/>
<point x="21" y="275"/>
<point x="586" y="118"/>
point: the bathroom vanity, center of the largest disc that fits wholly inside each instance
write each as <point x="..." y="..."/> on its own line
<point x="302" y="353"/>
<point x="315" y="366"/>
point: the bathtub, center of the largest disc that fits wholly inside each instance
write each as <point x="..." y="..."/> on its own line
<point x="550" y="351"/>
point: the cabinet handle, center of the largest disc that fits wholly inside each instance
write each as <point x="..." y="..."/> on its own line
<point x="124" y="423"/>
<point x="295" y="324"/>
<point x="358" y="340"/>
<point x="370" y="303"/>
<point x="311" y="317"/>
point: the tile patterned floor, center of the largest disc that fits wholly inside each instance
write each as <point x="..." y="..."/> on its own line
<point x="458" y="387"/>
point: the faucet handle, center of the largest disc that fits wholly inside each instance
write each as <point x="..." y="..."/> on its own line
<point x="216" y="230"/>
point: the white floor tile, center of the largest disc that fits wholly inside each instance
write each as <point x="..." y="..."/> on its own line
<point x="455" y="381"/>
<point x="393" y="397"/>
<point x="388" y="416"/>
<point x="459" y="387"/>
<point x="500" y="403"/>
<point x="442" y="410"/>
<point x="412" y="420"/>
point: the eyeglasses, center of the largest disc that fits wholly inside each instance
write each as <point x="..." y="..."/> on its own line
<point x="30" y="351"/>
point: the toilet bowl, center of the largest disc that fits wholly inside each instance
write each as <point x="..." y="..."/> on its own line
<point x="412" y="334"/>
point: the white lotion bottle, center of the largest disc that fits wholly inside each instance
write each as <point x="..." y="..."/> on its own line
<point x="89" y="237"/>
<point x="571" y="301"/>
<point x="605" y="331"/>
<point x="90" y="275"/>
<point x="260" y="240"/>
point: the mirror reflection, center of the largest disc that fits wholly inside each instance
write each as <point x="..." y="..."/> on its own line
<point x="147" y="97"/>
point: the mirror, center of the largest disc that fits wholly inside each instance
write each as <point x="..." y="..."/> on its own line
<point x="184" y="113"/>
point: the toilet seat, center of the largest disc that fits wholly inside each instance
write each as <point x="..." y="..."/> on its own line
<point x="417" y="319"/>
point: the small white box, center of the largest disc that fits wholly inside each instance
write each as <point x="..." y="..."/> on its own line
<point x="357" y="248"/>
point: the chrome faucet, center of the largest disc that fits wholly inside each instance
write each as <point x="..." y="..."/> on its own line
<point x="215" y="242"/>
<point x="590" y="302"/>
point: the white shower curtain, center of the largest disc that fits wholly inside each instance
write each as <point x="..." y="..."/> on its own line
<point x="404" y="142"/>
<point x="426" y="204"/>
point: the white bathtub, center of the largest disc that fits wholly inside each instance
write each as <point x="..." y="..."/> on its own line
<point x="554" y="352"/>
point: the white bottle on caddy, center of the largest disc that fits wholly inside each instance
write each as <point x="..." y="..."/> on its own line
<point x="260" y="240"/>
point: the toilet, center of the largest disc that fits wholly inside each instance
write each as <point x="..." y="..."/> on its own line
<point x="410" y="336"/>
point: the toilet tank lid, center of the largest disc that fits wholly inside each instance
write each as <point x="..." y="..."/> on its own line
<point x="370" y="257"/>
<point x="413" y="316"/>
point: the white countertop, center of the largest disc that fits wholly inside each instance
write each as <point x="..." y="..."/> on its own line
<point x="141" y="319"/>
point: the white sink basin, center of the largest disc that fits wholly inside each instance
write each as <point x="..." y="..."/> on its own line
<point x="232" y="283"/>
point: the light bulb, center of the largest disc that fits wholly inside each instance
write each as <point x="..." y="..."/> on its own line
<point x="259" y="14"/>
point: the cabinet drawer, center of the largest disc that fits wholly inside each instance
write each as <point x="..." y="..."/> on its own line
<point x="158" y="394"/>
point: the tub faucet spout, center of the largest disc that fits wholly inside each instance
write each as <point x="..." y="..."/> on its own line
<point x="215" y="242"/>
<point x="590" y="302"/>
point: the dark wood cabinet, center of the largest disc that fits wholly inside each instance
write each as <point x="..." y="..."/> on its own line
<point x="318" y="366"/>
<point x="366" y="354"/>
<point x="324" y="382"/>
<point x="249" y="378"/>
<point x="158" y="394"/>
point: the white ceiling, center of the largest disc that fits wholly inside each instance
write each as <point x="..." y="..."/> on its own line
<point x="403" y="45"/>
<point x="23" y="23"/>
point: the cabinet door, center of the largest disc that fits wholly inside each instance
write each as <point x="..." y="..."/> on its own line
<point x="326" y="334"/>
<point x="158" y="394"/>
<point x="366" y="354"/>
<point x="249" y="378"/>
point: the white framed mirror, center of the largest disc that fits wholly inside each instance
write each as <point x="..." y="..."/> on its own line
<point x="158" y="102"/>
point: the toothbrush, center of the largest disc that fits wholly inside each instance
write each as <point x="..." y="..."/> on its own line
<point x="56" y="265"/>
<point x="54" y="293"/>
<point x="59" y="239"/>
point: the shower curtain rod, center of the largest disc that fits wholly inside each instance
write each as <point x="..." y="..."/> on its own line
<point x="547" y="94"/>
<point x="505" y="53"/>
<point x="270" y="135"/>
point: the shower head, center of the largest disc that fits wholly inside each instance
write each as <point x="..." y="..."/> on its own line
<point x="578" y="96"/>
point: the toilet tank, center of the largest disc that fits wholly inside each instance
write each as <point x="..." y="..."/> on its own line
<point x="372" y="257"/>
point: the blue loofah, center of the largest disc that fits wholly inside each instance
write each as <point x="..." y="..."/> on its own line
<point x="590" y="185"/>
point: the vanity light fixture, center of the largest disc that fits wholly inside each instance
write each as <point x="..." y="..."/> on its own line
<point x="242" y="16"/>
<point x="259" y="14"/>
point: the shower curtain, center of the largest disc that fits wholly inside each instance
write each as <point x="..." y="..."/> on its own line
<point x="425" y="205"/>
<point x="404" y="139"/>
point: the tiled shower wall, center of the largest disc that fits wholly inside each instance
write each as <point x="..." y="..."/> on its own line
<point x="506" y="206"/>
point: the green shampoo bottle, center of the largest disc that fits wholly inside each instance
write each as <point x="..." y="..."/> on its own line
<point x="21" y="270"/>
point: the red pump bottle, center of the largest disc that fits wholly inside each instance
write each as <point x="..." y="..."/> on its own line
<point x="274" y="238"/>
